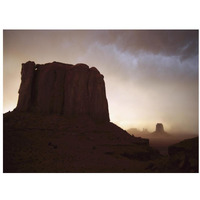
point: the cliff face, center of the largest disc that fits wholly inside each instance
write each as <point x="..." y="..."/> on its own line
<point x="71" y="90"/>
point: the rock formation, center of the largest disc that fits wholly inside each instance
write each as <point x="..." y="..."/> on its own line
<point x="159" y="130"/>
<point x="184" y="155"/>
<point x="182" y="158"/>
<point x="71" y="90"/>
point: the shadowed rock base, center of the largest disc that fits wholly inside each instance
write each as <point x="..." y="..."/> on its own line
<point x="53" y="143"/>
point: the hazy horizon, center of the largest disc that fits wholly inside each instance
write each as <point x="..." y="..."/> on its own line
<point x="151" y="76"/>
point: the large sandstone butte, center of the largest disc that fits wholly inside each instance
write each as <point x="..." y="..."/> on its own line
<point x="71" y="90"/>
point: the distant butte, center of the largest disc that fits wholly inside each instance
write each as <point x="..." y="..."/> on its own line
<point x="160" y="130"/>
<point x="58" y="88"/>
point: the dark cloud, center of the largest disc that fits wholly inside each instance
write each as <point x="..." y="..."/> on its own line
<point x="183" y="43"/>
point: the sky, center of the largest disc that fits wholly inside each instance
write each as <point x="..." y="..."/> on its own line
<point x="151" y="76"/>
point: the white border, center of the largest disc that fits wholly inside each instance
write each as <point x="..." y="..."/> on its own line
<point x="104" y="14"/>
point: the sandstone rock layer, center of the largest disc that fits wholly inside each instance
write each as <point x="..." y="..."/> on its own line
<point x="71" y="90"/>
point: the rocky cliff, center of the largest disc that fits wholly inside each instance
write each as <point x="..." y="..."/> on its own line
<point x="71" y="90"/>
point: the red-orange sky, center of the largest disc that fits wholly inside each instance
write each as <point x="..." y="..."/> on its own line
<point x="151" y="76"/>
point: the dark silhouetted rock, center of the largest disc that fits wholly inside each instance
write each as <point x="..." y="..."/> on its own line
<point x="182" y="158"/>
<point x="184" y="155"/>
<point x="72" y="90"/>
<point x="25" y="91"/>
